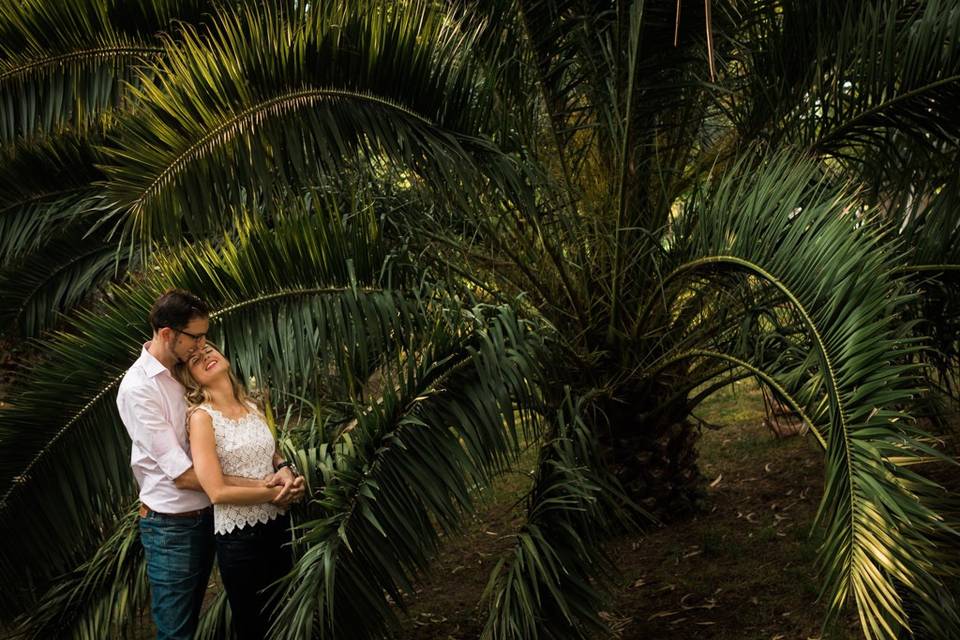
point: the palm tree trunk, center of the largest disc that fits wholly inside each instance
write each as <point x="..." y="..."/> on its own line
<point x="654" y="456"/>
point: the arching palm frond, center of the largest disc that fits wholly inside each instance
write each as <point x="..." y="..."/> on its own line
<point x="47" y="263"/>
<point x="883" y="75"/>
<point x="63" y="64"/>
<point x="303" y="97"/>
<point x="847" y="369"/>
<point x="36" y="290"/>
<point x="435" y="430"/>
<point x="103" y="598"/>
<point x="550" y="585"/>
<point x="897" y="70"/>
<point x="444" y="423"/>
<point x="44" y="186"/>
<point x="64" y="421"/>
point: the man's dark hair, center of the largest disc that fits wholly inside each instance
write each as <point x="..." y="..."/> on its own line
<point x="176" y="308"/>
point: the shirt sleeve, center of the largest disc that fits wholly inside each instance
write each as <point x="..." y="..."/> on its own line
<point x="151" y="432"/>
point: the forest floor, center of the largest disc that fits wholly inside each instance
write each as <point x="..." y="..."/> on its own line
<point x="742" y="569"/>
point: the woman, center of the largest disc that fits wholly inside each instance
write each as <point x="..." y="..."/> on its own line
<point x="228" y="436"/>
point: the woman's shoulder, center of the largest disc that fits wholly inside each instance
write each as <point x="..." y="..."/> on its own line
<point x="199" y="414"/>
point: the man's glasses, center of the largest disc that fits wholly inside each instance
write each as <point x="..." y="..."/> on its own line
<point x="195" y="336"/>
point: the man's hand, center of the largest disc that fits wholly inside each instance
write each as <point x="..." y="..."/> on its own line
<point x="188" y="480"/>
<point x="291" y="487"/>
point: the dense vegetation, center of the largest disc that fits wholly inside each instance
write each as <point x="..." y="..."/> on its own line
<point x="435" y="231"/>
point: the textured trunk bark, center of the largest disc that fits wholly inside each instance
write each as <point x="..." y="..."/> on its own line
<point x="655" y="458"/>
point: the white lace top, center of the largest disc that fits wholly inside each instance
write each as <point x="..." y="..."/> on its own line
<point x="245" y="448"/>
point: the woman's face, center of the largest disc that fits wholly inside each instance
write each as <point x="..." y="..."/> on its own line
<point x="207" y="364"/>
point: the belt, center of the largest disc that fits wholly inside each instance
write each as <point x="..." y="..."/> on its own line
<point x="145" y="511"/>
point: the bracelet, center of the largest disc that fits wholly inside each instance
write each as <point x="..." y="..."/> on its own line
<point x="286" y="463"/>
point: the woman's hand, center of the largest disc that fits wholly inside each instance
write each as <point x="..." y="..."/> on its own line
<point x="291" y="487"/>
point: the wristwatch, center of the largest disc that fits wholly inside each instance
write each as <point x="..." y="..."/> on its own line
<point x="287" y="463"/>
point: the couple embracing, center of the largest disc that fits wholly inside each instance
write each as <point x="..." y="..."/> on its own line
<point x="211" y="479"/>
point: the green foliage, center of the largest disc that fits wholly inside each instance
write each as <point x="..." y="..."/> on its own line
<point x="307" y="94"/>
<point x="546" y="587"/>
<point x="103" y="596"/>
<point x="405" y="469"/>
<point x="779" y="224"/>
<point x="66" y="422"/>
<point x="419" y="222"/>
<point x="66" y="64"/>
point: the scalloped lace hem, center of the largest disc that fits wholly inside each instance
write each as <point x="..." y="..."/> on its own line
<point x="262" y="518"/>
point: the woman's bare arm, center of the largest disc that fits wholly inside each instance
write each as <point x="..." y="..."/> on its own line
<point x="203" y="448"/>
<point x="189" y="480"/>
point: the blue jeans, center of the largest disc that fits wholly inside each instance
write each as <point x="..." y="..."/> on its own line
<point x="179" y="554"/>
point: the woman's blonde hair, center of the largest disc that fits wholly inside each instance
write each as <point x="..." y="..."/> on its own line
<point x="196" y="394"/>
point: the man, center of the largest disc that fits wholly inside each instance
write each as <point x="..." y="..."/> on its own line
<point x="176" y="518"/>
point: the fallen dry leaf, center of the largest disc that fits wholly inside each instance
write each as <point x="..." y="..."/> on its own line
<point x="662" y="614"/>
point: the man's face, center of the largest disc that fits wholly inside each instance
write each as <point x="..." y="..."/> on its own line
<point x="183" y="343"/>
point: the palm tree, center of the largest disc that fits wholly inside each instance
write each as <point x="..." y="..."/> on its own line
<point x="66" y="74"/>
<point x="436" y="232"/>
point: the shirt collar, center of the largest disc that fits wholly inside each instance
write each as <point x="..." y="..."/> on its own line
<point x="151" y="366"/>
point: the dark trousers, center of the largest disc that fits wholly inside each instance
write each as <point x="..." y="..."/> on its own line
<point x="251" y="559"/>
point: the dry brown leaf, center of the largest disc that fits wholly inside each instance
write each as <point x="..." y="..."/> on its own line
<point x="662" y="614"/>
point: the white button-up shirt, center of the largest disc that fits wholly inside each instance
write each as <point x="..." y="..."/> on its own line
<point x="154" y="411"/>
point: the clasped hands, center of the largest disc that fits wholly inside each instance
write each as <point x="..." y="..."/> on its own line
<point x="291" y="487"/>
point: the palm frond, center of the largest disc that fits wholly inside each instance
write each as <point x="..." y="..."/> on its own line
<point x="37" y="289"/>
<point x="64" y="64"/>
<point x="304" y="97"/>
<point x="895" y="71"/>
<point x="445" y="422"/>
<point x="44" y="185"/>
<point x="781" y="225"/>
<point x="551" y="584"/>
<point x="63" y="421"/>
<point x="859" y="81"/>
<point x="930" y="226"/>
<point x="103" y="598"/>
<point x="216" y="620"/>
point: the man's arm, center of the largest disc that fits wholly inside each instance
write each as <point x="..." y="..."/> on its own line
<point x="152" y="433"/>
<point x="188" y="480"/>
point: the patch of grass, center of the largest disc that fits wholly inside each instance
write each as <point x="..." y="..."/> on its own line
<point x="712" y="544"/>
<point x="738" y="403"/>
